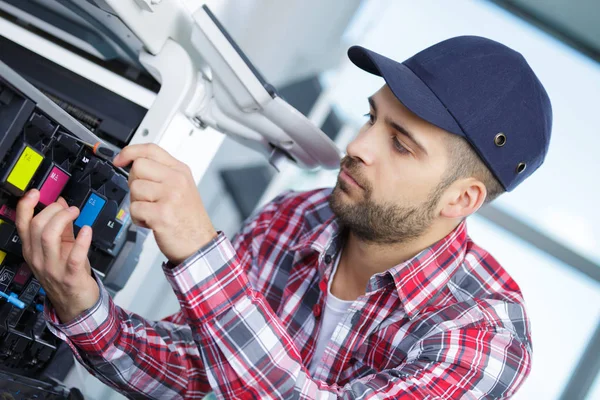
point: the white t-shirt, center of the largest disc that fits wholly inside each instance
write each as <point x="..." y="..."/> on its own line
<point x="332" y="314"/>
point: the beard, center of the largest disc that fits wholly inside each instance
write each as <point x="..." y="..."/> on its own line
<point x="380" y="223"/>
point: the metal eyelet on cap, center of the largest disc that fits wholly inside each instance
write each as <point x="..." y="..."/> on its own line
<point x="521" y="167"/>
<point x="500" y="139"/>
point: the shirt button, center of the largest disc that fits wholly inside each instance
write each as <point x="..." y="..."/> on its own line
<point x="328" y="259"/>
<point x="323" y="285"/>
<point x="317" y="310"/>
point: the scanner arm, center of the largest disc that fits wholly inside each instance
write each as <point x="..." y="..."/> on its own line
<point x="207" y="78"/>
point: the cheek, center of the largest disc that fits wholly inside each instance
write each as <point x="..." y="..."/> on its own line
<point x="404" y="185"/>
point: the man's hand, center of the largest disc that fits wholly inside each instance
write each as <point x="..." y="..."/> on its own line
<point x="56" y="258"/>
<point x="164" y="198"/>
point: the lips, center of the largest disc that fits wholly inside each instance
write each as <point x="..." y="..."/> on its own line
<point x="349" y="176"/>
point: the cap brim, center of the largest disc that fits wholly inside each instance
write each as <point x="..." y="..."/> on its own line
<point x="408" y="88"/>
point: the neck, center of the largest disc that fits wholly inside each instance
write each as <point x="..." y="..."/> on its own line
<point x="361" y="260"/>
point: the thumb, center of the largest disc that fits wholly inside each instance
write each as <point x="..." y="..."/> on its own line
<point x="79" y="253"/>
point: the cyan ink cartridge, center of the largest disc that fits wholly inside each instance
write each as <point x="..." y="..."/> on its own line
<point x="21" y="169"/>
<point x="91" y="209"/>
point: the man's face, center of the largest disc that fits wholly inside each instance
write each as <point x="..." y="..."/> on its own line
<point x="391" y="181"/>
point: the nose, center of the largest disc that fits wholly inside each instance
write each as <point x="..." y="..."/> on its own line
<point x="364" y="146"/>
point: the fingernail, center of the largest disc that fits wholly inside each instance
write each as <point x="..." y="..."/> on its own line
<point x="73" y="209"/>
<point x="85" y="231"/>
<point x="31" y="193"/>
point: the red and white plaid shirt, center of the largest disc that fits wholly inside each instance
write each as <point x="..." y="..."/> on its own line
<point x="449" y="323"/>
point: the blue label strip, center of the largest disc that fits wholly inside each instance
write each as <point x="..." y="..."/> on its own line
<point x="90" y="211"/>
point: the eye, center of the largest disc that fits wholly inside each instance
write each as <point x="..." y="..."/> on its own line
<point x="398" y="146"/>
<point x="371" y="118"/>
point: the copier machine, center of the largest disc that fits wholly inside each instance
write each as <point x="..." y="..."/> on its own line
<point x="74" y="73"/>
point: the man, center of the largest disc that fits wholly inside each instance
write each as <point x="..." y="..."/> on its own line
<point x="372" y="290"/>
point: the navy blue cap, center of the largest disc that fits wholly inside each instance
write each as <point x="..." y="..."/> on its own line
<point x="479" y="89"/>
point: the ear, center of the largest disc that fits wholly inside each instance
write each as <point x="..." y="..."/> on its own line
<point x="463" y="198"/>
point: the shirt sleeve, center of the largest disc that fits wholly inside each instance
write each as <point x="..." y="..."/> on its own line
<point x="141" y="358"/>
<point x="248" y="353"/>
<point x="138" y="358"/>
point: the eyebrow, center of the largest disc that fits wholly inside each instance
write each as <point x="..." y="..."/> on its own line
<point x="399" y="128"/>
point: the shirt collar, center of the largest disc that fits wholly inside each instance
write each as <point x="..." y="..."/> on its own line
<point x="321" y="234"/>
<point x="417" y="281"/>
<point x="325" y="239"/>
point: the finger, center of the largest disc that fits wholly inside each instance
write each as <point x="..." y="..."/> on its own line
<point x="150" y="170"/>
<point x="147" y="150"/>
<point x="143" y="213"/>
<point x="77" y="260"/>
<point x="38" y="224"/>
<point x="143" y="190"/>
<point x="68" y="234"/>
<point x="25" y="210"/>
<point x="62" y="202"/>
<point x="53" y="232"/>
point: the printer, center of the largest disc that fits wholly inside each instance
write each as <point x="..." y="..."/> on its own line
<point x="74" y="73"/>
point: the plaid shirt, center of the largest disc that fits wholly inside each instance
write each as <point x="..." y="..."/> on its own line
<point x="449" y="323"/>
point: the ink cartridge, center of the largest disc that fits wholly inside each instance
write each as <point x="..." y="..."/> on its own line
<point x="8" y="213"/>
<point x="7" y="231"/>
<point x="107" y="227"/>
<point x="21" y="169"/>
<point x="91" y="209"/>
<point x="51" y="183"/>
